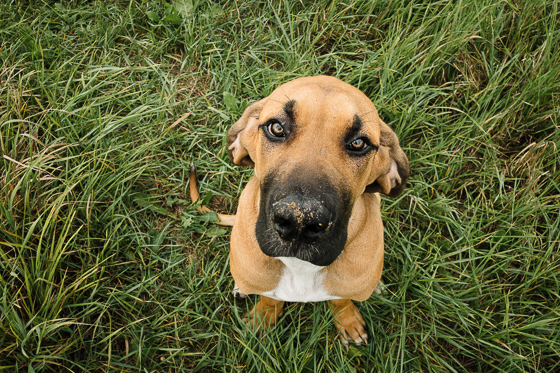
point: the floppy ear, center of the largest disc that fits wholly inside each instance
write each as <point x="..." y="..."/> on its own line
<point x="391" y="165"/>
<point x="241" y="137"/>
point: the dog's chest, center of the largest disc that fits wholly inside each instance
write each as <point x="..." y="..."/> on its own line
<point x="300" y="282"/>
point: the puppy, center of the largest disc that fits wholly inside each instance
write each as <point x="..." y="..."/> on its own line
<point x="308" y="226"/>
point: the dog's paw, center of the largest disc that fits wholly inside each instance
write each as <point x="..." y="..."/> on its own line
<point x="352" y="331"/>
<point x="349" y="323"/>
<point x="264" y="318"/>
<point x="238" y="294"/>
<point x="266" y="312"/>
<point x="380" y="288"/>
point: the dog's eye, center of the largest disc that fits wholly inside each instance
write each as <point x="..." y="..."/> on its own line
<point x="276" y="129"/>
<point x="357" y="145"/>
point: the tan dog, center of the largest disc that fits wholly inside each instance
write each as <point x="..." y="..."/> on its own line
<point x="308" y="227"/>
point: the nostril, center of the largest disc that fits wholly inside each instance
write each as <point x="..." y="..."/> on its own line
<point x="315" y="230"/>
<point x="281" y="222"/>
<point x="284" y="227"/>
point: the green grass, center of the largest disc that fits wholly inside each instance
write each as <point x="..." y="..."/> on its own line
<point x="106" y="266"/>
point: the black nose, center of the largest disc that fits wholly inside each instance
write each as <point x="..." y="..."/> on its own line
<point x="295" y="217"/>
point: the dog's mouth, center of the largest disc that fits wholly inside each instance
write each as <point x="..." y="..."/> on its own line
<point x="320" y="253"/>
<point x="304" y="223"/>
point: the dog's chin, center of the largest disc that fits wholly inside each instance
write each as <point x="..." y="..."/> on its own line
<point x="321" y="253"/>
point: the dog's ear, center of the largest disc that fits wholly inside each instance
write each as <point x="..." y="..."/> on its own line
<point x="241" y="137"/>
<point x="391" y="165"/>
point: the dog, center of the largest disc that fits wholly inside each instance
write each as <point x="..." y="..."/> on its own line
<point x="308" y="227"/>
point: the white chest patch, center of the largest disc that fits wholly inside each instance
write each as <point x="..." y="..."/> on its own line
<point x="300" y="282"/>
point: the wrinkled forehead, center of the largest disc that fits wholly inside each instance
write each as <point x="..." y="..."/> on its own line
<point x="332" y="102"/>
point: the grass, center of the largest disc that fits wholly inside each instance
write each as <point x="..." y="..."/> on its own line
<point x="106" y="266"/>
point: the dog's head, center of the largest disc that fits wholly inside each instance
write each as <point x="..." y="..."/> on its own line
<point x="316" y="144"/>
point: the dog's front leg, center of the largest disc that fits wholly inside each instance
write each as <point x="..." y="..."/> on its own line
<point x="348" y="321"/>
<point x="266" y="312"/>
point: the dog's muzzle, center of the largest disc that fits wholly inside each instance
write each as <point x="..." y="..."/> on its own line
<point x="303" y="219"/>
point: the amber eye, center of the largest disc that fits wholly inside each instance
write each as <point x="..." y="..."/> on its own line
<point x="357" y="145"/>
<point x="276" y="129"/>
